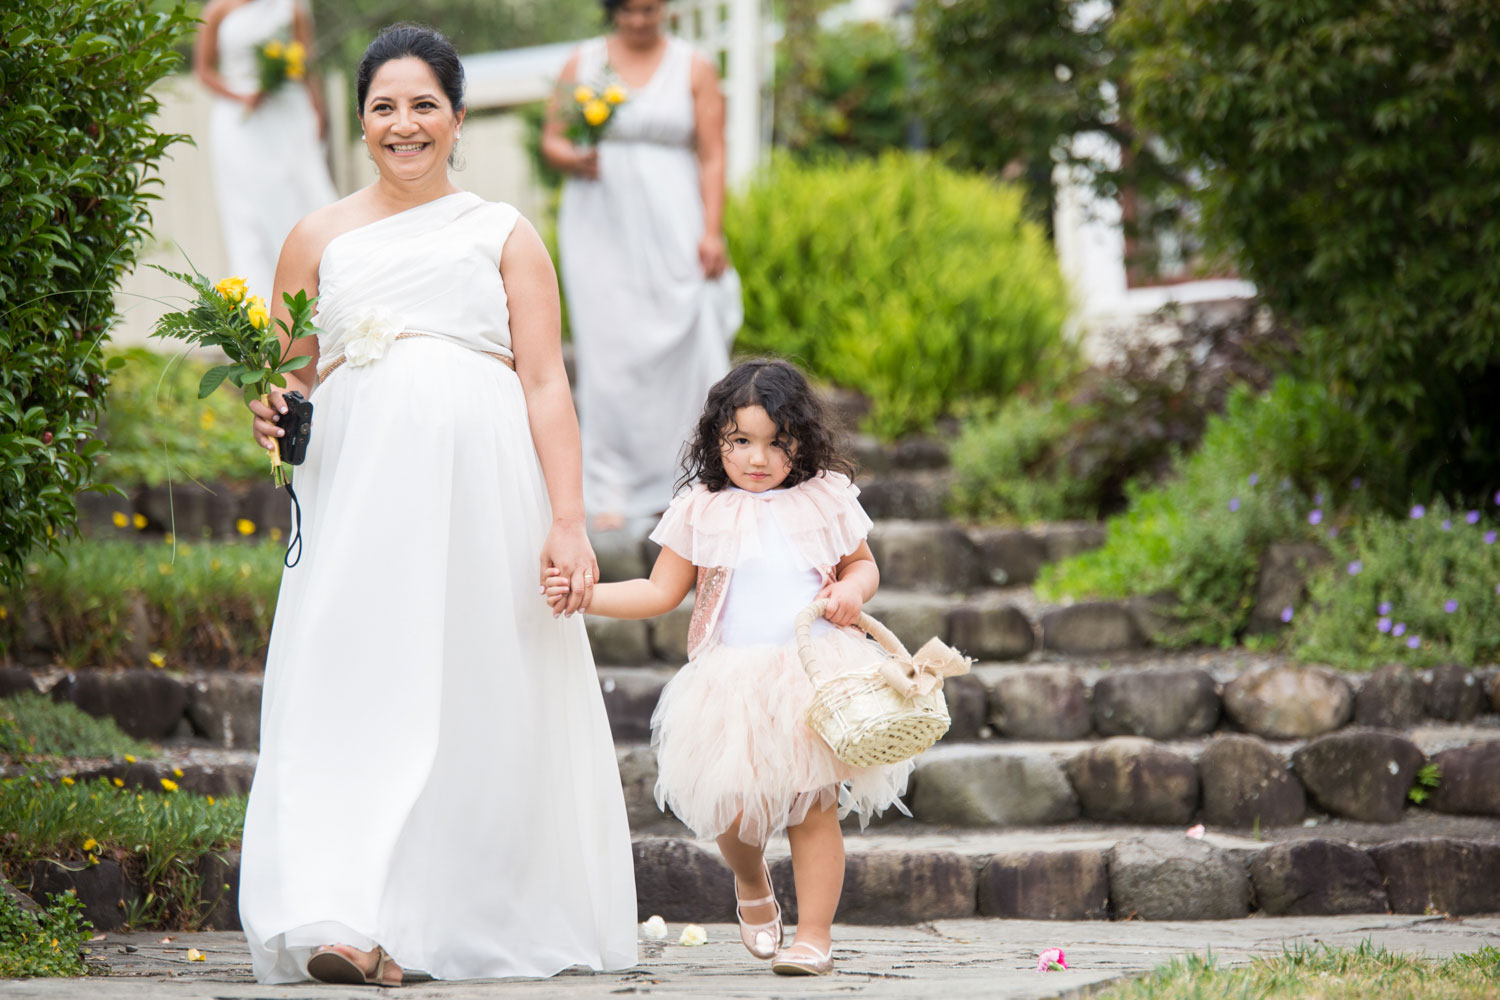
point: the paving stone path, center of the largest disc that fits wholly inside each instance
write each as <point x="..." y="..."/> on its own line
<point x="954" y="960"/>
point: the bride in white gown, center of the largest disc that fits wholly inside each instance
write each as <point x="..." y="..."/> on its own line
<point x="266" y="149"/>
<point x="437" y="786"/>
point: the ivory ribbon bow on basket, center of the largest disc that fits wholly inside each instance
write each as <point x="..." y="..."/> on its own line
<point x="924" y="670"/>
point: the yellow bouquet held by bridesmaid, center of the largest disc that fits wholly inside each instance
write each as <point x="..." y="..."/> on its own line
<point x="226" y="316"/>
<point x="592" y="111"/>
<point x="278" y="62"/>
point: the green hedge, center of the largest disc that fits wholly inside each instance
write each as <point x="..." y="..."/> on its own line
<point x="1349" y="155"/>
<point x="856" y="97"/>
<point x="923" y="287"/>
<point x="77" y="150"/>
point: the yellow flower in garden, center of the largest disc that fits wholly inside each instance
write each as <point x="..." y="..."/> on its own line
<point x="176" y="772"/>
<point x="139" y="520"/>
<point x="214" y="564"/>
<point x="245" y="526"/>
<point x="168" y="538"/>
<point x="275" y="534"/>
<point x="90" y="844"/>
<point x="614" y="94"/>
<point x="67" y="780"/>
<point x="274" y="48"/>
<point x="583" y="94"/>
<point x="233" y="289"/>
<point x="129" y="759"/>
<point x="4" y="613"/>
<point x="93" y="859"/>
<point x="257" y="313"/>
<point x="164" y="569"/>
<point x="118" y="782"/>
<point x="157" y="659"/>
<point x="210" y="799"/>
<point x="206" y="419"/>
<point x="169" y="784"/>
<point x="596" y="112"/>
<point x="120" y="519"/>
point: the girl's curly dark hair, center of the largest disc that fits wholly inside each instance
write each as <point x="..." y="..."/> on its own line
<point x="784" y="393"/>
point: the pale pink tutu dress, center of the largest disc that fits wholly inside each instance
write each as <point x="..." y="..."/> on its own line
<point x="730" y="731"/>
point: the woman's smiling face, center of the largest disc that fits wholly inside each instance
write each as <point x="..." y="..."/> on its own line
<point x="410" y="126"/>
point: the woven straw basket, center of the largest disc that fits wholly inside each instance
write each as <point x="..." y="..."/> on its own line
<point x="859" y="715"/>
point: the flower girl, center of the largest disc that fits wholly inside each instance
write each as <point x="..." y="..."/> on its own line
<point x="770" y="523"/>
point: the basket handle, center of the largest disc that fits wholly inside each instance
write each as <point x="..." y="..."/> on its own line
<point x="814" y="611"/>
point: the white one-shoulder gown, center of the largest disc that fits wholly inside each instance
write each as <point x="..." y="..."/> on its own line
<point x="437" y="774"/>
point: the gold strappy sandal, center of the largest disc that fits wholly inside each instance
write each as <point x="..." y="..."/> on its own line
<point x="330" y="966"/>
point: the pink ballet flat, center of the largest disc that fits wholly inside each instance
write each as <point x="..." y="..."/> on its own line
<point x="803" y="959"/>
<point x="761" y="940"/>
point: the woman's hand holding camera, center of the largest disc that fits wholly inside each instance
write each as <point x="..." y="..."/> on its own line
<point x="265" y="426"/>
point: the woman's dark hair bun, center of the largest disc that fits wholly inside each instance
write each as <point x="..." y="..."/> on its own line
<point x="407" y="40"/>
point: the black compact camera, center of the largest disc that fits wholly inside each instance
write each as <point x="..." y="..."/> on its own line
<point x="297" y="422"/>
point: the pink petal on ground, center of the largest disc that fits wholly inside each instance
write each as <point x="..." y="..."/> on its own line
<point x="1195" y="831"/>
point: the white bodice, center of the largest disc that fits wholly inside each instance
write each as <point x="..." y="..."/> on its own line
<point x="769" y="589"/>
<point x="433" y="269"/>
<point x="244" y="30"/>
<point x="661" y="112"/>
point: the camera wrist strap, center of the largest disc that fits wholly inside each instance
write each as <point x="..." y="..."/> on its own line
<point x="296" y="541"/>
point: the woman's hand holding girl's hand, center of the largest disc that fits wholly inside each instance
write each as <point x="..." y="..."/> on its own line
<point x="845" y="601"/>
<point x="567" y="554"/>
<point x="555" y="591"/>
<point x="264" y="426"/>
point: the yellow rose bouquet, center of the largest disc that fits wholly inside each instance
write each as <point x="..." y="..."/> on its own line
<point x="226" y="316"/>
<point x="278" y="62"/>
<point x="591" y="111"/>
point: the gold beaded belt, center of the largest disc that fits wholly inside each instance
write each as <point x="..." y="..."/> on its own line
<point x="504" y="359"/>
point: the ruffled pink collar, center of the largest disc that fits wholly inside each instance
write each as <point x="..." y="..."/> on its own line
<point x="821" y="517"/>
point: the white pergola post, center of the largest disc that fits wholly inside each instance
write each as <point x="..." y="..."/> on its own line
<point x="734" y="34"/>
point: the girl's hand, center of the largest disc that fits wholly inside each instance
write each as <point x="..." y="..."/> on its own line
<point x="264" y="427"/>
<point x="555" y="591"/>
<point x="845" y="601"/>
<point x="585" y="163"/>
<point x="712" y="255"/>
<point x="567" y="553"/>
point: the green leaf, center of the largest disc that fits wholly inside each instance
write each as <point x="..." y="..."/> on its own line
<point x="212" y="379"/>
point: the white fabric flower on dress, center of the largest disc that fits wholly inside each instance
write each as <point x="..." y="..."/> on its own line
<point x="374" y="332"/>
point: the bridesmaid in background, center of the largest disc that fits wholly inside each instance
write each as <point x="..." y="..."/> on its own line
<point x="266" y="149"/>
<point x="652" y="301"/>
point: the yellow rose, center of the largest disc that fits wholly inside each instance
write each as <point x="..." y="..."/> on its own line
<point x="295" y="52"/>
<point x="233" y="289"/>
<point x="296" y="61"/>
<point x="614" y="94"/>
<point x="274" y="48"/>
<point x="583" y="94"/>
<point x="596" y="112"/>
<point x="258" y="314"/>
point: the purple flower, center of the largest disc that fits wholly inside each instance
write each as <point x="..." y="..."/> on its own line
<point x="1413" y="642"/>
<point x="1384" y="625"/>
<point x="1450" y="606"/>
<point x="1472" y="517"/>
<point x="1447" y="524"/>
<point x="1418" y="511"/>
<point x="1497" y="498"/>
<point x="1489" y="538"/>
<point x="1316" y="517"/>
<point x="1286" y="613"/>
<point x="1355" y="567"/>
<point x="1356" y="482"/>
<point x="1317" y="499"/>
<point x="1234" y="504"/>
<point x="1384" y="608"/>
<point x="1254" y="478"/>
<point x="1399" y="630"/>
<point x="1333" y="532"/>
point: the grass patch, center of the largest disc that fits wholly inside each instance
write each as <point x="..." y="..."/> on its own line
<point x="205" y="602"/>
<point x="44" y="943"/>
<point x="158" y="837"/>
<point x="33" y="725"/>
<point x="1319" y="972"/>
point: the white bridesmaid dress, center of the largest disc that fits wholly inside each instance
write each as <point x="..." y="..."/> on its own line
<point x="651" y="332"/>
<point x="437" y="774"/>
<point x="268" y="166"/>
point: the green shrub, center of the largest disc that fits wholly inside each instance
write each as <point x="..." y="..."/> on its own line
<point x="920" y="286"/>
<point x="47" y="942"/>
<point x="1348" y="155"/>
<point x="1263" y="468"/>
<point x="1418" y="590"/>
<point x="158" y="430"/>
<point x="208" y="602"/>
<point x="854" y="99"/>
<point x="39" y="726"/>
<point x="159" y="837"/>
<point x="77" y="150"/>
<point x="1123" y="422"/>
